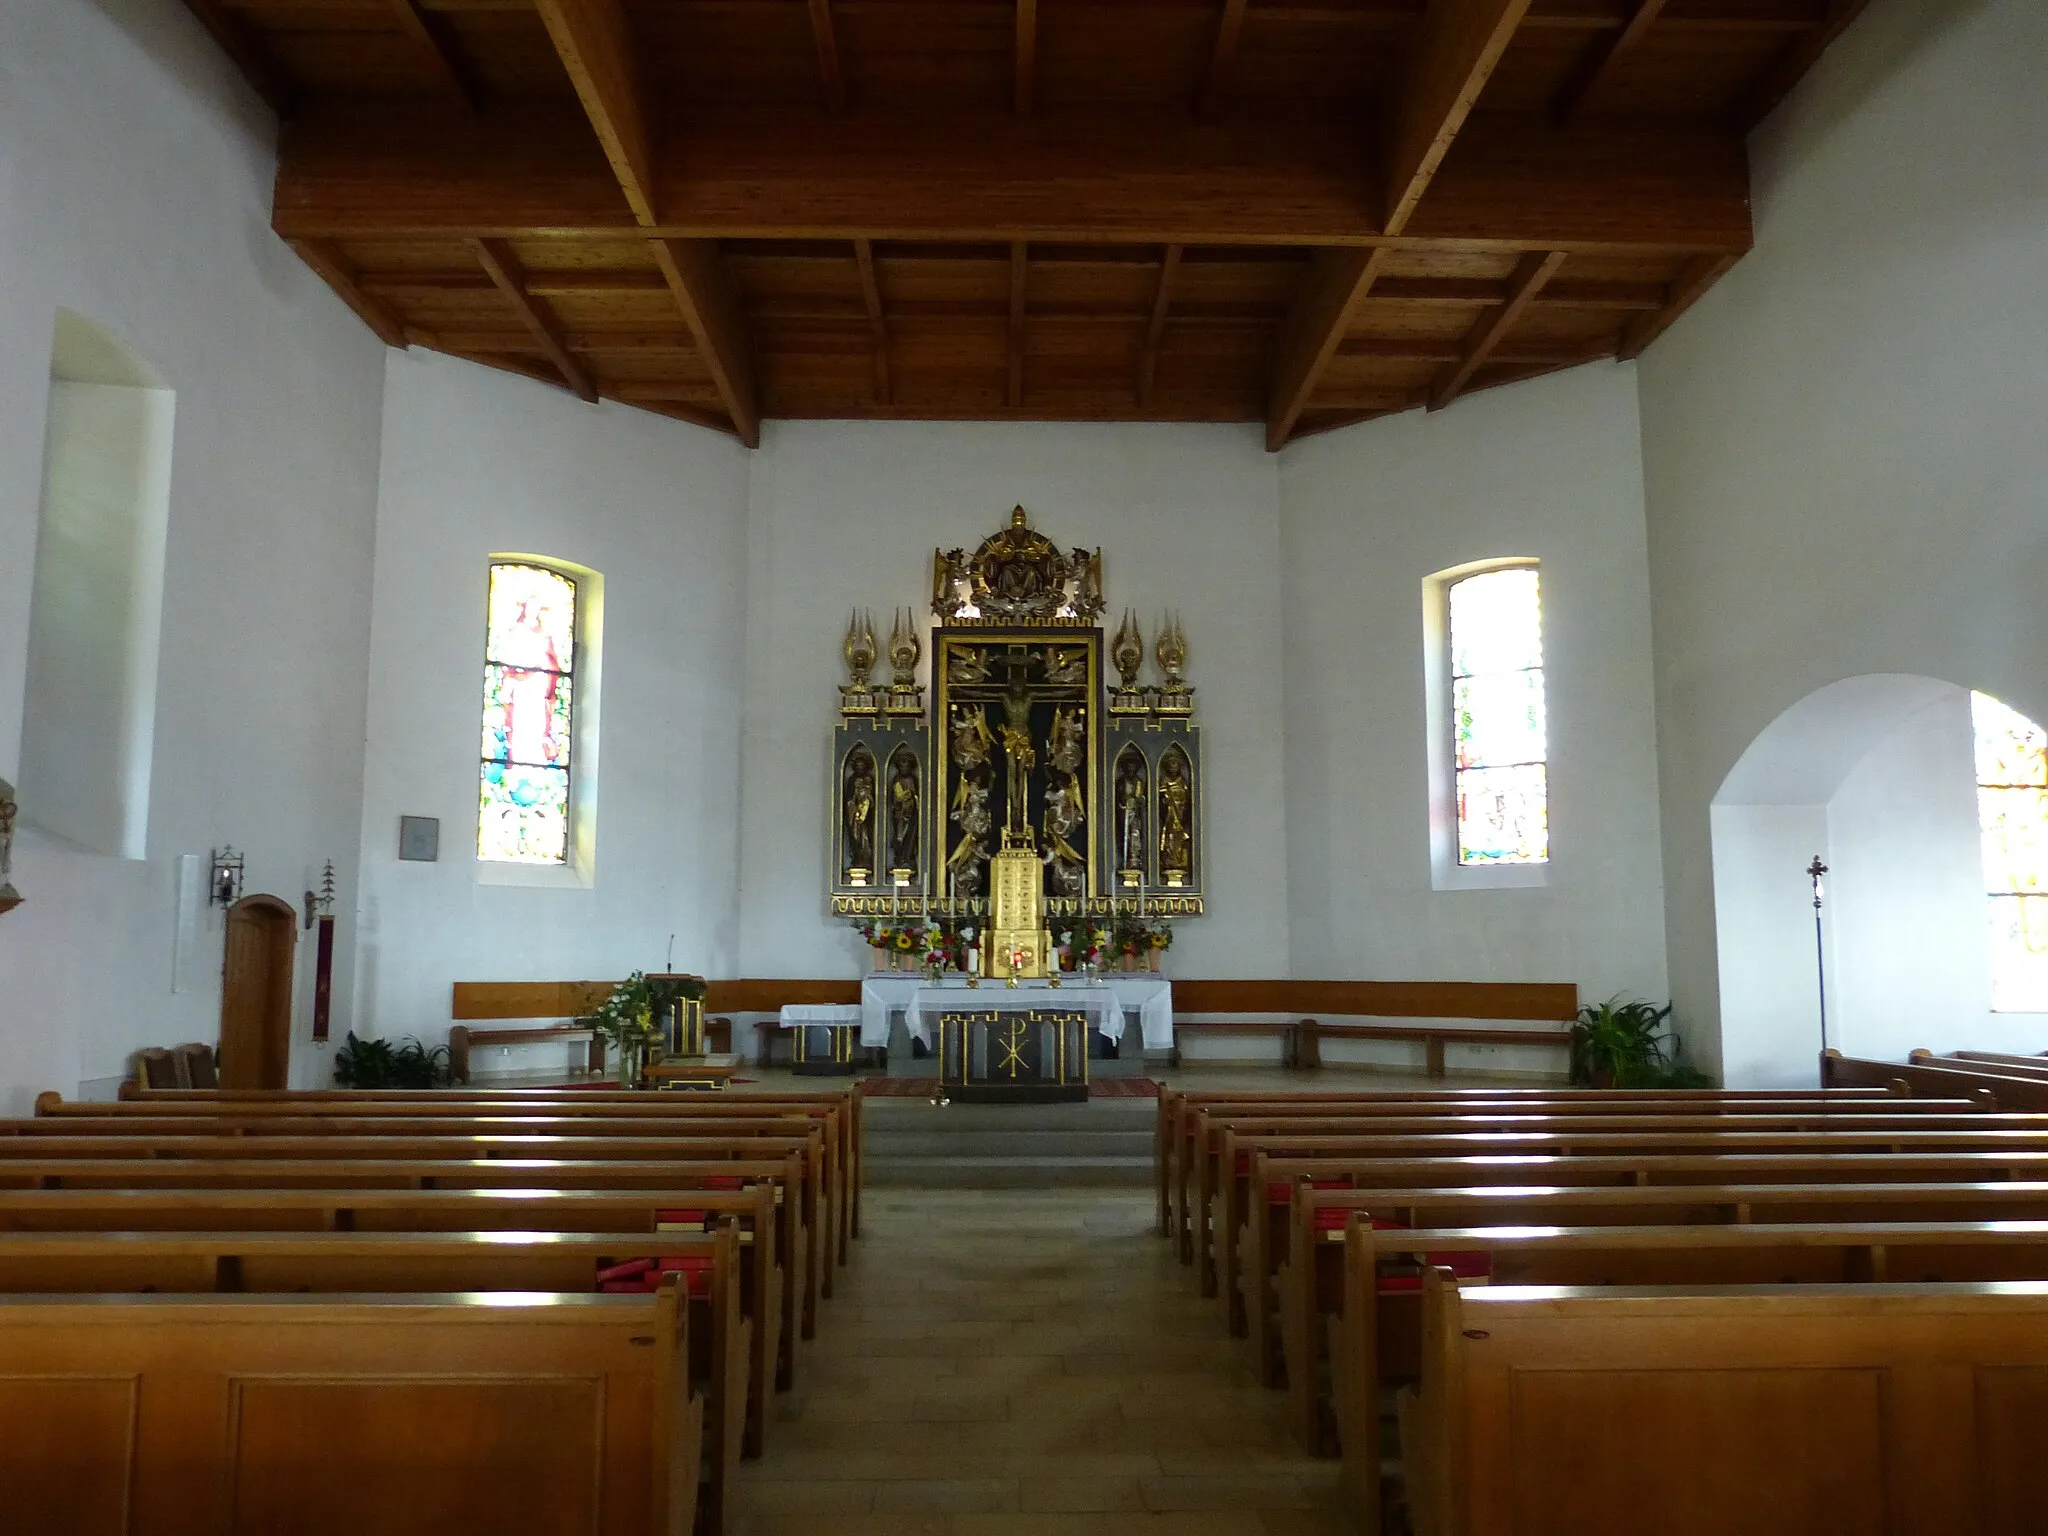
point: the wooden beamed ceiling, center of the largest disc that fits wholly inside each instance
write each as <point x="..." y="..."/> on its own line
<point x="1300" y="214"/>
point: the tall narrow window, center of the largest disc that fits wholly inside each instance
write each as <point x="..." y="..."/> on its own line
<point x="1497" y="718"/>
<point x="2012" y="814"/>
<point x="529" y="715"/>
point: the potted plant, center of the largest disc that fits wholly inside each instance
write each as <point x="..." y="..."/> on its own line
<point x="382" y="1064"/>
<point x="1626" y="1044"/>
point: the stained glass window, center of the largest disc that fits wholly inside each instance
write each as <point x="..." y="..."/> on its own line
<point x="529" y="716"/>
<point x="1497" y="718"/>
<point x="2012" y="818"/>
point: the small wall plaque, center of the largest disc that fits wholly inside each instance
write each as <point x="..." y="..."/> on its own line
<point x="419" y="838"/>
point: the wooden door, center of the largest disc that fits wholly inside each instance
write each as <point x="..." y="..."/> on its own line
<point x="256" y="994"/>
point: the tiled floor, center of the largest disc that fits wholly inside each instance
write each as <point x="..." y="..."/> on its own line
<point x="1027" y="1362"/>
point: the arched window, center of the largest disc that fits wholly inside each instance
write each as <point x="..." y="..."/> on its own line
<point x="1495" y="631"/>
<point x="529" y="722"/>
<point x="2012" y="813"/>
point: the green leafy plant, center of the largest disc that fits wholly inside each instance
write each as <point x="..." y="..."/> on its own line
<point x="1627" y="1044"/>
<point x="387" y="1064"/>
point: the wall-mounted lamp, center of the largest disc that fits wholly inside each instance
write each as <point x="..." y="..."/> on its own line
<point x="224" y="879"/>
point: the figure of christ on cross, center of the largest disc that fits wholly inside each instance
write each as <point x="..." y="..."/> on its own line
<point x="1017" y="747"/>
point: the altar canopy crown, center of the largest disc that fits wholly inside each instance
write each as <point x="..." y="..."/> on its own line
<point x="1017" y="575"/>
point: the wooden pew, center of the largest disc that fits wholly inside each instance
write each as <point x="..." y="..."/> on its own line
<point x="1224" y="1195"/>
<point x="1311" y="1285"/>
<point x="1924" y="1080"/>
<point x="1814" y="1165"/>
<point x="593" y="1101"/>
<point x="400" y="1415"/>
<point x="764" y="1277"/>
<point x="1914" y="1410"/>
<point x="357" y="1263"/>
<point x="337" y="1117"/>
<point x="792" y="1236"/>
<point x="1984" y="1061"/>
<point x="800" y="1138"/>
<point x="1179" y="1108"/>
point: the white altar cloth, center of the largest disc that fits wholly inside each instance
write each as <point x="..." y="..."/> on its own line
<point x="839" y="1015"/>
<point x="1151" y="997"/>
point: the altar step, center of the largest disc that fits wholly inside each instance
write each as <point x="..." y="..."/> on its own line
<point x="913" y="1144"/>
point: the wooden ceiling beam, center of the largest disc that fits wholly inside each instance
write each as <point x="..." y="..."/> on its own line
<point x="1019" y="269"/>
<point x="878" y="322"/>
<point x="1531" y="273"/>
<point x="1155" y="325"/>
<point x="1222" y="60"/>
<point x="826" y="40"/>
<point x="1605" y="58"/>
<point x="413" y="171"/>
<point x="1453" y="56"/>
<point x="1792" y="63"/>
<point x="1024" y="59"/>
<point x="247" y="51"/>
<point x="1700" y="274"/>
<point x="502" y="266"/>
<point x="432" y="40"/>
<point x="344" y="280"/>
<point x="1320" y="317"/>
<point x="711" y="310"/>
<point x="597" y="51"/>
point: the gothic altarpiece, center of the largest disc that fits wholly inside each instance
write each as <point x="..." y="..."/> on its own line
<point x="1031" y="794"/>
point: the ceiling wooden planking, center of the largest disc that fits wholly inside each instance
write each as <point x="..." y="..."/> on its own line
<point x="1022" y="209"/>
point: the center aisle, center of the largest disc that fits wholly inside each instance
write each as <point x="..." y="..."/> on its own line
<point x="1009" y="1361"/>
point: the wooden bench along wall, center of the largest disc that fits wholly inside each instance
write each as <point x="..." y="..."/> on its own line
<point x="244" y="1413"/>
<point x="764" y="1277"/>
<point x="1912" y="1410"/>
<point x="462" y="1040"/>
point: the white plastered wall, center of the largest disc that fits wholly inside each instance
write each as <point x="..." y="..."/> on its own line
<point x="1844" y="461"/>
<point x="135" y="177"/>
<point x="1548" y="469"/>
<point x="478" y="463"/>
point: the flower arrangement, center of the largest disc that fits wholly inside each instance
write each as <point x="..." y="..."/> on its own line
<point x="1160" y="937"/>
<point x="625" y="1020"/>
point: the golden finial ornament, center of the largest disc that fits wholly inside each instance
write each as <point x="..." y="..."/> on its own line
<point x="1172" y="651"/>
<point x="859" y="648"/>
<point x="1127" y="650"/>
<point x="904" y="647"/>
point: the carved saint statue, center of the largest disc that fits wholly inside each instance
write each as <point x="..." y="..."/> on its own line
<point x="1176" y="842"/>
<point x="972" y="743"/>
<point x="8" y="811"/>
<point x="1067" y="742"/>
<point x="903" y="798"/>
<point x="860" y="811"/>
<point x="1065" y="810"/>
<point x="1018" y="749"/>
<point x="1130" y="813"/>
<point x="970" y="813"/>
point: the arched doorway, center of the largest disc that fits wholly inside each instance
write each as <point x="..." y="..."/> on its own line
<point x="1876" y="775"/>
<point x="256" y="994"/>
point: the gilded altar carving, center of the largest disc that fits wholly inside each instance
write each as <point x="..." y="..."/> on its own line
<point x="1017" y="576"/>
<point x="1032" y="783"/>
